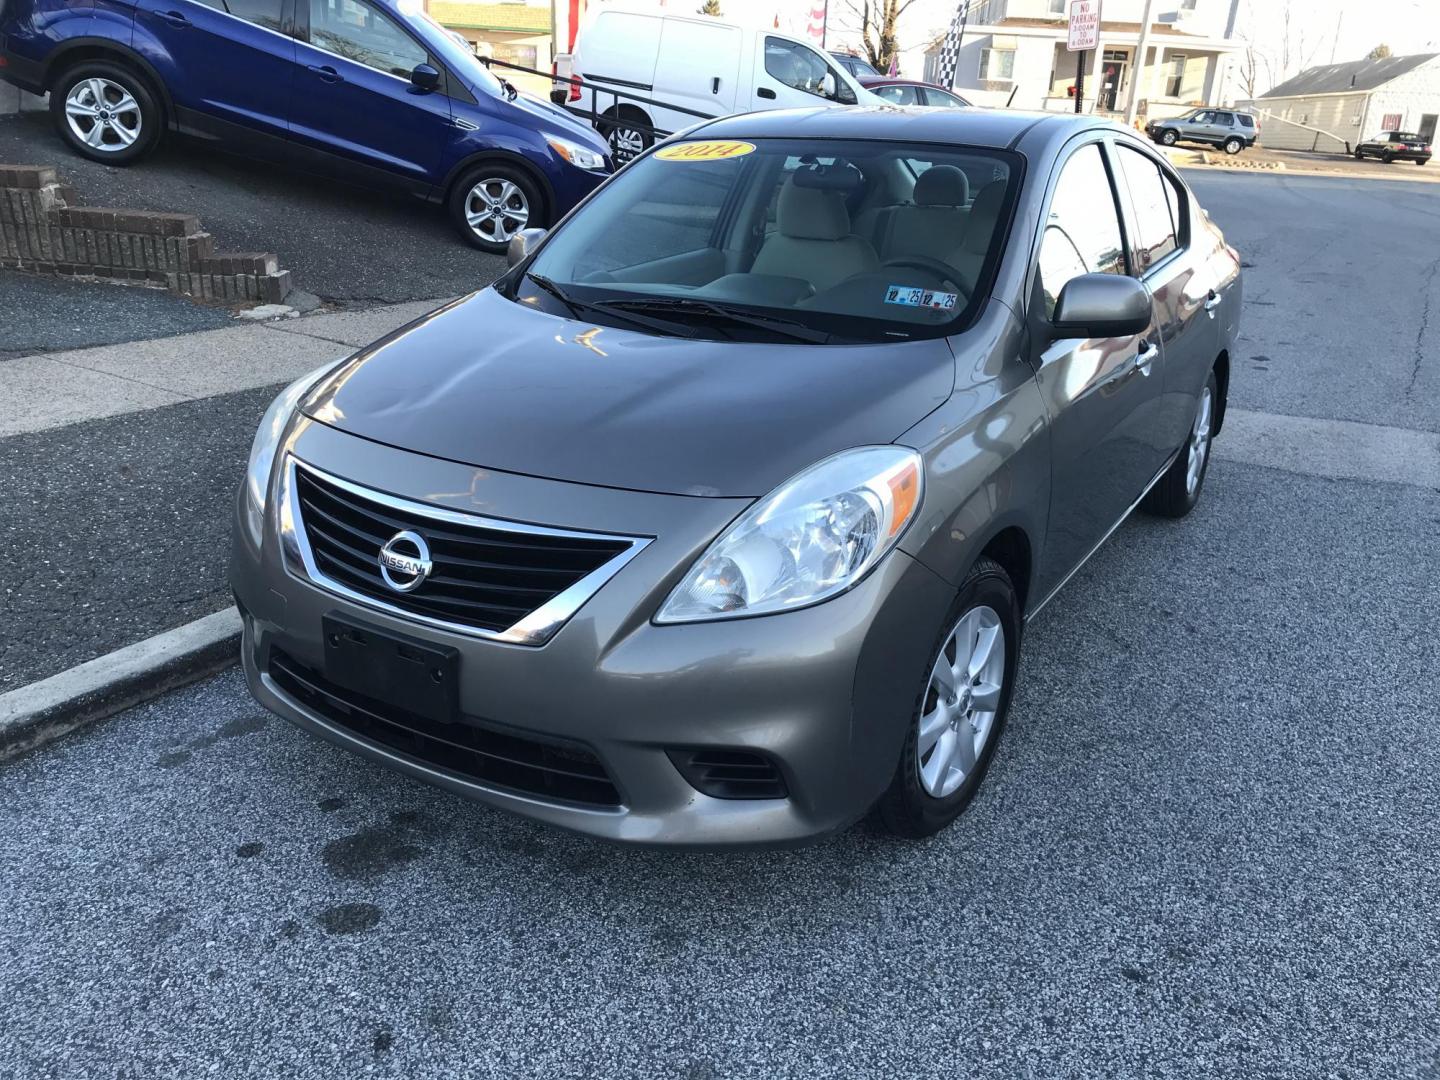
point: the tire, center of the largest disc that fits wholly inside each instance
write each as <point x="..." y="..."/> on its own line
<point x="1168" y="138"/>
<point x="626" y="141"/>
<point x="921" y="800"/>
<point x="489" y="204"/>
<point x="1233" y="146"/>
<point x="1177" y="493"/>
<point x="106" y="112"/>
<point x="1422" y="161"/>
<point x="1358" y="155"/>
<point x="1388" y="159"/>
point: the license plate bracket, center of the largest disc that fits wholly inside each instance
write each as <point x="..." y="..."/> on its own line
<point x="394" y="669"/>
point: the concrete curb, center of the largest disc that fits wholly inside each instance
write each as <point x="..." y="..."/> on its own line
<point x="41" y="712"/>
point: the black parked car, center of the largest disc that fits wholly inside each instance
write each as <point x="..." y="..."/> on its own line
<point x="1391" y="146"/>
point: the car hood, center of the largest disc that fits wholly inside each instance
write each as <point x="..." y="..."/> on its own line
<point x="499" y="385"/>
<point x="562" y="122"/>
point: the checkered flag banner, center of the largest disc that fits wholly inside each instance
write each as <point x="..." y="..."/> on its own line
<point x="950" y="49"/>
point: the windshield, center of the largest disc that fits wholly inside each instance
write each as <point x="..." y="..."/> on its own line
<point x="853" y="240"/>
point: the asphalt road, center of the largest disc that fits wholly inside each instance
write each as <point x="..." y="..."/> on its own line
<point x="1208" y="845"/>
<point x="61" y="313"/>
<point x="346" y="245"/>
<point x="1207" y="848"/>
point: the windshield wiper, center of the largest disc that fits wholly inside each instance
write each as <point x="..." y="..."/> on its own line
<point x="695" y="306"/>
<point x="575" y="307"/>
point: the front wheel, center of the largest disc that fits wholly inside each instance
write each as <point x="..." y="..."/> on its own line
<point x="1169" y="138"/>
<point x="105" y="112"/>
<point x="1179" y="489"/>
<point x="1359" y="156"/>
<point x="1233" y="146"/>
<point x="961" y="707"/>
<point x="492" y="203"/>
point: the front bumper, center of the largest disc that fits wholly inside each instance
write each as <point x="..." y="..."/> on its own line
<point x="825" y="693"/>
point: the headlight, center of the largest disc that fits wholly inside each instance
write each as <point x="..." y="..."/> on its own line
<point x="267" y="438"/>
<point x="813" y="537"/>
<point x="582" y="157"/>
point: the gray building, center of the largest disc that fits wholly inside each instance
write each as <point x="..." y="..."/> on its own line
<point x="1336" y="106"/>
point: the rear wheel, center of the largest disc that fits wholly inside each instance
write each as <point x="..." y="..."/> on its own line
<point x="961" y="708"/>
<point x="1179" y="489"/>
<point x="491" y="203"/>
<point x="627" y="130"/>
<point x="105" y="112"/>
<point x="1359" y="154"/>
<point x="1233" y="146"/>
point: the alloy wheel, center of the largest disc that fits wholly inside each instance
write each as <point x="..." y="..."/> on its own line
<point x="961" y="701"/>
<point x="103" y="115"/>
<point x="496" y="209"/>
<point x="627" y="143"/>
<point x="1199" y="445"/>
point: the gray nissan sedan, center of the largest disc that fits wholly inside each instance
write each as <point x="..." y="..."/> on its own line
<point x="718" y="519"/>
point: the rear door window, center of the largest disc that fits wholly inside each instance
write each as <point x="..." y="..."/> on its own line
<point x="264" y="13"/>
<point x="899" y="95"/>
<point x="1156" y="203"/>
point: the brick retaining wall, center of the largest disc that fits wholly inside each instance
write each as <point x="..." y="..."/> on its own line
<point x="42" y="231"/>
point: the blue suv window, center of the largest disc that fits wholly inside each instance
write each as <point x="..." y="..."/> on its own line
<point x="264" y="13"/>
<point x="361" y="32"/>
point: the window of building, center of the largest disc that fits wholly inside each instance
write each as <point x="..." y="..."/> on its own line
<point x="264" y="13"/>
<point x="1188" y="5"/>
<point x="1156" y="206"/>
<point x="997" y="65"/>
<point x="360" y="31"/>
<point x="1057" y="7"/>
<point x="1175" y="81"/>
<point x="1082" y="232"/>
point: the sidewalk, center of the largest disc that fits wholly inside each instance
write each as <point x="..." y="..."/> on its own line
<point x="120" y="465"/>
<point x="1300" y="163"/>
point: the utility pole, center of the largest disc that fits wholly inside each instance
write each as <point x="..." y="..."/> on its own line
<point x="1132" y="106"/>
<point x="1334" y="44"/>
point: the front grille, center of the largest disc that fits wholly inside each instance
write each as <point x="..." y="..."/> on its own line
<point x="555" y="770"/>
<point x="730" y="774"/>
<point x="485" y="576"/>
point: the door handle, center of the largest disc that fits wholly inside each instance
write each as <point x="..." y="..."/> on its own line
<point x="715" y="85"/>
<point x="1146" y="356"/>
<point x="326" y="72"/>
<point x="1212" y="302"/>
<point x="176" y="19"/>
<point x="766" y="93"/>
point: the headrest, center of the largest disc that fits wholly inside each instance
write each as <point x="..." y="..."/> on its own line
<point x="942" y="185"/>
<point x="810" y="214"/>
<point x="984" y="213"/>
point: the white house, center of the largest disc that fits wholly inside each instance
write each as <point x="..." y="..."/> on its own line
<point x="1014" y="52"/>
<point x="1336" y="106"/>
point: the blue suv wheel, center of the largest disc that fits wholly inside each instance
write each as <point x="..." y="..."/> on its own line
<point x="105" y="112"/>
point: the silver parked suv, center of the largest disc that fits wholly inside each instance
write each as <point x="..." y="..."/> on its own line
<point x="1228" y="129"/>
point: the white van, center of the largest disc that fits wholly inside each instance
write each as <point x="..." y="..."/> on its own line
<point x="697" y="62"/>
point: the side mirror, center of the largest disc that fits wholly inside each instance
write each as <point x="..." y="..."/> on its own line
<point x="827" y="85"/>
<point x="1102" y="306"/>
<point x="521" y="244"/>
<point x="425" y="78"/>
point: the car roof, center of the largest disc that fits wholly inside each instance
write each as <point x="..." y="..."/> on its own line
<point x="997" y="128"/>
<point x="871" y="80"/>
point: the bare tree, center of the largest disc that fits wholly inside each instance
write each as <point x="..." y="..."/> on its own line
<point x="1380" y="52"/>
<point x="877" y="29"/>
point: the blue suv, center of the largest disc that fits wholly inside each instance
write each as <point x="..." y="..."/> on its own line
<point x="366" y="91"/>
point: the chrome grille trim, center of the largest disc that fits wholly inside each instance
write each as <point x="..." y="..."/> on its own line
<point x="534" y="629"/>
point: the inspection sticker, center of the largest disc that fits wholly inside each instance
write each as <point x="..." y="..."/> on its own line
<point x="910" y="296"/>
<point x="713" y="150"/>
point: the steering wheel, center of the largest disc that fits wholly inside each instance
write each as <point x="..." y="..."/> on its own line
<point x="944" y="271"/>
